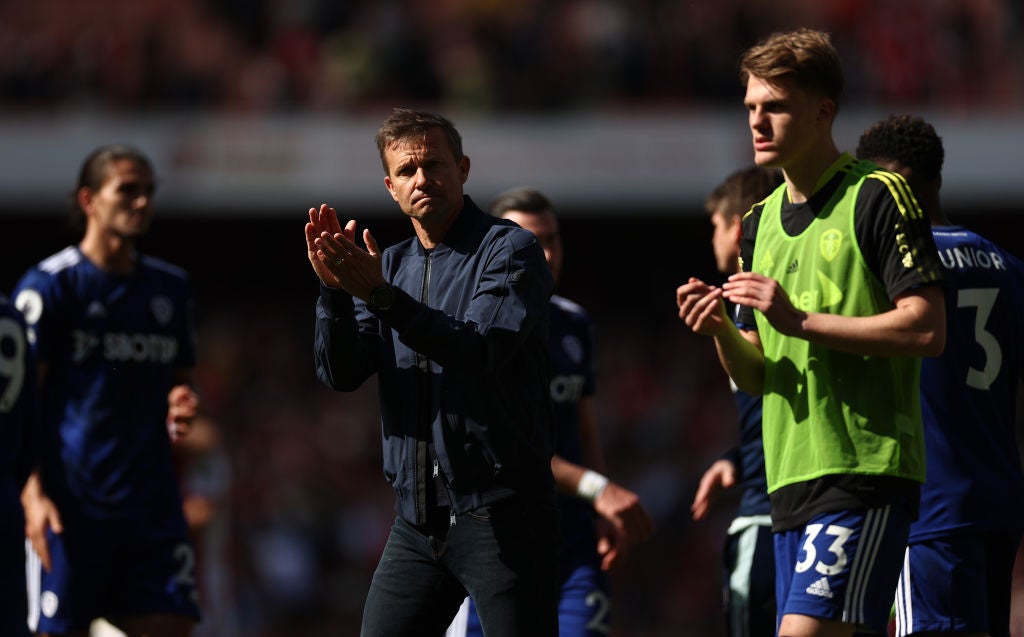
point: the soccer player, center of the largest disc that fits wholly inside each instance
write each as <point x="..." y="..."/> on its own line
<point x="957" y="573"/>
<point x="18" y="426"/>
<point x="454" y="323"/>
<point x="841" y="294"/>
<point x="113" y="334"/>
<point x="587" y="550"/>
<point x="748" y="559"/>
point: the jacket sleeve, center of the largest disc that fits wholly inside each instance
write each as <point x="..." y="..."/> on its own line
<point x="509" y="301"/>
<point x="345" y="349"/>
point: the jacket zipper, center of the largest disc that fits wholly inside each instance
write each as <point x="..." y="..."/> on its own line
<point x="451" y="508"/>
<point x="423" y="365"/>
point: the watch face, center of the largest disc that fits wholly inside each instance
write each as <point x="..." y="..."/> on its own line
<point x="382" y="297"/>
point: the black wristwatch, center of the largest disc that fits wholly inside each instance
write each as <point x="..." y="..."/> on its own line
<point x="381" y="298"/>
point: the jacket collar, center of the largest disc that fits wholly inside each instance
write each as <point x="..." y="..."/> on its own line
<point x="460" y="234"/>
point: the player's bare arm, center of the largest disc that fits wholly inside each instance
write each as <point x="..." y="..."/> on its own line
<point x="623" y="521"/>
<point x="916" y="326"/>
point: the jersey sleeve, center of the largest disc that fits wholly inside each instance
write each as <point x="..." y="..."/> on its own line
<point x="19" y="409"/>
<point x="748" y="230"/>
<point x="37" y="296"/>
<point x="894" y="235"/>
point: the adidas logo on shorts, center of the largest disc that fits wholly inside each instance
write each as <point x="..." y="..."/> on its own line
<point x="820" y="588"/>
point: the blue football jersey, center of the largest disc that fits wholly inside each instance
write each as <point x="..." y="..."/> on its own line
<point x="18" y="405"/>
<point x="974" y="478"/>
<point x="17" y="427"/>
<point x="749" y="457"/>
<point x="571" y="347"/>
<point x="110" y="345"/>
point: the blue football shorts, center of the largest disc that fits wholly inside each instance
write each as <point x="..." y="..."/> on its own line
<point x="842" y="566"/>
<point x="957" y="583"/>
<point x="110" y="568"/>
<point x="14" y="606"/>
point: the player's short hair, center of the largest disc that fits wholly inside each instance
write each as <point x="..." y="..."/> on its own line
<point x="804" y="55"/>
<point x="742" y="189"/>
<point x="95" y="170"/>
<point x="404" y="124"/>
<point x="524" y="199"/>
<point x="907" y="139"/>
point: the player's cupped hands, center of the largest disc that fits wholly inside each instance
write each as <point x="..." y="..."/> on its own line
<point x="336" y="258"/>
<point x="701" y="307"/>
<point x="768" y="297"/>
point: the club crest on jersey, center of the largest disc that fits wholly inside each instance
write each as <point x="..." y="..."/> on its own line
<point x="830" y="243"/>
<point x="162" y="308"/>
<point x="903" y="245"/>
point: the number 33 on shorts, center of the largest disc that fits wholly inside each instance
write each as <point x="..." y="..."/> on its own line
<point x="843" y="565"/>
<point x="835" y="558"/>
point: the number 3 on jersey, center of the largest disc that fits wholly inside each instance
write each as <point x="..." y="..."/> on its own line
<point x="833" y="557"/>
<point x="983" y="299"/>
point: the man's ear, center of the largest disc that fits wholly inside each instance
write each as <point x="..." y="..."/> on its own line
<point x="737" y="227"/>
<point x="84" y="198"/>
<point x="464" y="168"/>
<point x="827" y="109"/>
<point x="390" y="187"/>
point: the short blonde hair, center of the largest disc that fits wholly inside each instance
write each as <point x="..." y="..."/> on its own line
<point x="804" y="55"/>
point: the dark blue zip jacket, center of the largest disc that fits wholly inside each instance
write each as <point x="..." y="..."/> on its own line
<point x="461" y="359"/>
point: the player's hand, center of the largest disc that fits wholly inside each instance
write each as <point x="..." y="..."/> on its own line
<point x="701" y="307"/>
<point x="628" y="522"/>
<point x="610" y="544"/>
<point x="720" y="476"/>
<point x="40" y="514"/>
<point x="182" y="409"/>
<point x="767" y="296"/>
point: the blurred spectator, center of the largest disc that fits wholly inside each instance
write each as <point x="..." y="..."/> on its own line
<point x="278" y="55"/>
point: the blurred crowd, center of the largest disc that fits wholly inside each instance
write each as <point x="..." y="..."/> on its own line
<point x="270" y="56"/>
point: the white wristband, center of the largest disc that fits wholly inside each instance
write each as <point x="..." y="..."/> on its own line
<point x="591" y="485"/>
